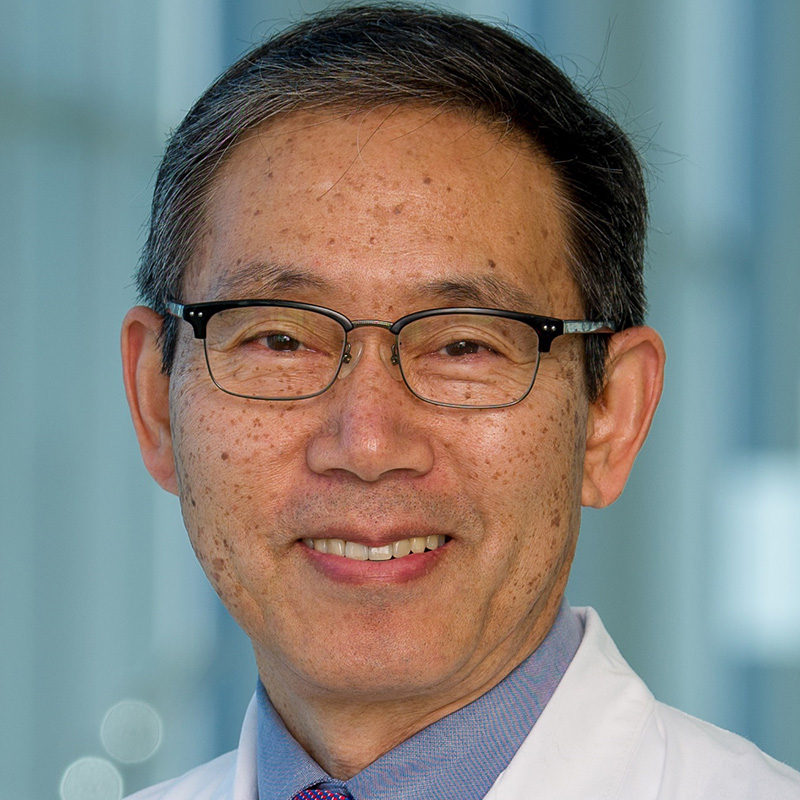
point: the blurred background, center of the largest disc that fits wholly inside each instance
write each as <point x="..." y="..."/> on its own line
<point x="118" y="666"/>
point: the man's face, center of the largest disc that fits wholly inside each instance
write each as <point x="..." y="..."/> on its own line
<point x="378" y="215"/>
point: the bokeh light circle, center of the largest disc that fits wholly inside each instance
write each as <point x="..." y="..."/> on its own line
<point x="131" y="731"/>
<point x="91" y="779"/>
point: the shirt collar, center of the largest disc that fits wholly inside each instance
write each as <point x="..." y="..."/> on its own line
<point x="460" y="755"/>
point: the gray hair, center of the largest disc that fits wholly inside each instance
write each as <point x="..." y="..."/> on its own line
<point x="365" y="56"/>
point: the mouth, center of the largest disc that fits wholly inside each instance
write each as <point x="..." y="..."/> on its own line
<point x="356" y="551"/>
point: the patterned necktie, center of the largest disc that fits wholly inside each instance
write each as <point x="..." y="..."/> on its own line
<point x="318" y="793"/>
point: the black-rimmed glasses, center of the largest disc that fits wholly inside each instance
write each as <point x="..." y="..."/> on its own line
<point x="457" y="357"/>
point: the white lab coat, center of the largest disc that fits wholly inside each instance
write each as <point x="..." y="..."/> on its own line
<point x="602" y="736"/>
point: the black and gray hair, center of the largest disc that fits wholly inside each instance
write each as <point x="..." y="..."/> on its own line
<point x="365" y="56"/>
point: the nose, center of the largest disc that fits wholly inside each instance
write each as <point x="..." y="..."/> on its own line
<point x="375" y="426"/>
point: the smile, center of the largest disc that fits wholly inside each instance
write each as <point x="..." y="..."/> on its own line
<point x="361" y="552"/>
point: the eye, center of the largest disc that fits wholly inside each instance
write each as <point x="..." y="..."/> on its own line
<point x="281" y="342"/>
<point x="465" y="347"/>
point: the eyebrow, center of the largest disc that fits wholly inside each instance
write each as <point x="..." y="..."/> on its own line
<point x="271" y="280"/>
<point x="264" y="279"/>
<point x="485" y="291"/>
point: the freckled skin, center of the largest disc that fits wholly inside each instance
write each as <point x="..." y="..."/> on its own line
<point x="375" y="220"/>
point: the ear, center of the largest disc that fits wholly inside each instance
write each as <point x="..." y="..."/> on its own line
<point x="147" y="388"/>
<point x="620" y="417"/>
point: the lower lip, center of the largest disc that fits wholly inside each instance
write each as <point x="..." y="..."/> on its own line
<point x="395" y="570"/>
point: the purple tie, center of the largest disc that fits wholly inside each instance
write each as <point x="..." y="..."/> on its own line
<point x="320" y="794"/>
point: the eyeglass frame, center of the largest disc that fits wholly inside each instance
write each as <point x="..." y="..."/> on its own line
<point x="547" y="329"/>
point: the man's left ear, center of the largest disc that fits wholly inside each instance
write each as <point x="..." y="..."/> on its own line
<point x="620" y="417"/>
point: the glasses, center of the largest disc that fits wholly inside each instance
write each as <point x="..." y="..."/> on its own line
<point x="456" y="357"/>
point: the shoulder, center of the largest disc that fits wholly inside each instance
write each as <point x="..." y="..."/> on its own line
<point x="229" y="777"/>
<point x="604" y="735"/>
<point x="694" y="760"/>
<point x="210" y="781"/>
<point x="701" y="760"/>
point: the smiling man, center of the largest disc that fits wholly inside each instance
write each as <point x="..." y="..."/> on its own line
<point x="393" y="341"/>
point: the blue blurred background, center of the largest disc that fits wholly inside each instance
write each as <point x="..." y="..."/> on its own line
<point x="695" y="568"/>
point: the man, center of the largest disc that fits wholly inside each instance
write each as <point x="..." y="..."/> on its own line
<point x="368" y="238"/>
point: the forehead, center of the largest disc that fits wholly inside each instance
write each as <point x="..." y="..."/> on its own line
<point x="413" y="202"/>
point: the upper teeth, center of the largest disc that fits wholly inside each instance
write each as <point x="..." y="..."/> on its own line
<point x="361" y="552"/>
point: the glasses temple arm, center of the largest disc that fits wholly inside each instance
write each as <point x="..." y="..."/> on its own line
<point x="588" y="326"/>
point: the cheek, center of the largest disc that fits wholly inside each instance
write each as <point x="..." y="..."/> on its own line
<point x="227" y="447"/>
<point x="526" y="467"/>
<point x="233" y="473"/>
<point x="525" y="459"/>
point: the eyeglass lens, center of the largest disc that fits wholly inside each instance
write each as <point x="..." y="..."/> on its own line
<point x="286" y="353"/>
<point x="469" y="359"/>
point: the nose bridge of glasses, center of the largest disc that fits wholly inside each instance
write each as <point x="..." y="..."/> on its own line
<point x="371" y="323"/>
<point x="355" y="348"/>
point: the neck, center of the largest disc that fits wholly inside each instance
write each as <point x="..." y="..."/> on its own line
<point x="346" y="731"/>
